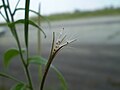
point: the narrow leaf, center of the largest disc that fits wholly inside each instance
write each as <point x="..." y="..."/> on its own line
<point x="22" y="21"/>
<point x="61" y="78"/>
<point x="42" y="61"/>
<point x="37" y="13"/>
<point x="8" y="55"/>
<point x="9" y="77"/>
<point x="26" y="18"/>
<point x="18" y="9"/>
<point x="19" y="86"/>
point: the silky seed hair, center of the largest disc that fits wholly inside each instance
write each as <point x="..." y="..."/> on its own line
<point x="59" y="42"/>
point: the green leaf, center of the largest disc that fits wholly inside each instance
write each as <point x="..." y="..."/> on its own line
<point x="8" y="55"/>
<point x="17" y="9"/>
<point x="61" y="78"/>
<point x="19" y="86"/>
<point x="10" y="77"/>
<point x="42" y="61"/>
<point x="22" y="21"/>
<point x="37" y="60"/>
<point x="38" y="14"/>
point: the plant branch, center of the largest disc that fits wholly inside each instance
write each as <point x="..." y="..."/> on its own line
<point x="3" y="16"/>
<point x="26" y="28"/>
<point x="5" y="11"/>
<point x="48" y="64"/>
<point x="19" y="46"/>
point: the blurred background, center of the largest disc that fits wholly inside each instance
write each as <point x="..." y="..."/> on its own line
<point x="90" y="63"/>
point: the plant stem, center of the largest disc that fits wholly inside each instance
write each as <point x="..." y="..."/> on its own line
<point x="39" y="44"/>
<point x="26" y="27"/>
<point x="6" y="11"/>
<point x="19" y="46"/>
<point x="16" y="35"/>
<point x="51" y="57"/>
<point x="25" y="66"/>
<point x="29" y="78"/>
<point x="45" y="74"/>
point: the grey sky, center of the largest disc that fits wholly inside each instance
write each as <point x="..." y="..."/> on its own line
<point x="58" y="6"/>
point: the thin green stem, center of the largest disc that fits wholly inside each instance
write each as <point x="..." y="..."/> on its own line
<point x="39" y="43"/>
<point x="16" y="35"/>
<point x="17" y="4"/>
<point x="26" y="28"/>
<point x="45" y="73"/>
<point x="19" y="46"/>
<point x="3" y="17"/>
<point x="51" y="57"/>
<point x="29" y="77"/>
<point x="8" y="20"/>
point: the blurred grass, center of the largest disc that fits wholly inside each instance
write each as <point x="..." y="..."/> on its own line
<point x="2" y="88"/>
<point x="46" y="88"/>
<point x="81" y="14"/>
<point x="77" y="14"/>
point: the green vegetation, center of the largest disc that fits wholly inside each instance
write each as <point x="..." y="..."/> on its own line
<point x="24" y="52"/>
<point x="82" y="14"/>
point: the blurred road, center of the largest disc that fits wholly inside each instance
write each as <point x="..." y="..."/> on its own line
<point x="90" y="63"/>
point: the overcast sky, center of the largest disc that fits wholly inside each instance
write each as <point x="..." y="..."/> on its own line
<point x="58" y="6"/>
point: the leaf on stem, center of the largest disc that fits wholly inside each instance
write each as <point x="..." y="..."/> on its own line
<point x="10" y="77"/>
<point x="8" y="55"/>
<point x="42" y="61"/>
<point x="19" y="86"/>
<point x="18" y="9"/>
<point x="38" y="14"/>
<point x="22" y="21"/>
<point x="61" y="78"/>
